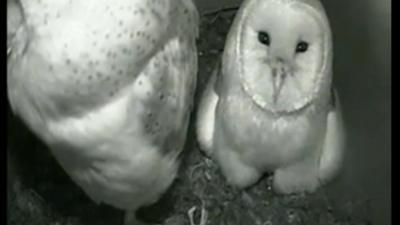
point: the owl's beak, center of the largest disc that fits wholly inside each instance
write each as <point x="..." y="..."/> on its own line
<point x="278" y="79"/>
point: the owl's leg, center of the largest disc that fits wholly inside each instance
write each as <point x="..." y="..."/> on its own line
<point x="236" y="172"/>
<point x="130" y="219"/>
<point x="206" y="116"/>
<point x="301" y="176"/>
<point x="333" y="149"/>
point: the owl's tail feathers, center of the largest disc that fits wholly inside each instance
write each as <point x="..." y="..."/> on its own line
<point x="331" y="160"/>
<point x="206" y="114"/>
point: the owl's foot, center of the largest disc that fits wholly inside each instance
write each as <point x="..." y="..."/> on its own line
<point x="236" y="172"/>
<point x="298" y="178"/>
<point x="203" y="216"/>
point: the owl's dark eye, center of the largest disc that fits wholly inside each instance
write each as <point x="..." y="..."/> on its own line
<point x="263" y="37"/>
<point x="301" y="47"/>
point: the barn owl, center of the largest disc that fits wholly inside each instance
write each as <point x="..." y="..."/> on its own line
<point x="108" y="86"/>
<point x="269" y="106"/>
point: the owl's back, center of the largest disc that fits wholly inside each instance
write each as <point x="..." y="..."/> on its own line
<point x="109" y="87"/>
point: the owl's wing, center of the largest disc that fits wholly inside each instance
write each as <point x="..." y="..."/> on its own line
<point x="334" y="145"/>
<point x="206" y="112"/>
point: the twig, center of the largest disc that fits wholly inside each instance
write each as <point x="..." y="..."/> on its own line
<point x="221" y="10"/>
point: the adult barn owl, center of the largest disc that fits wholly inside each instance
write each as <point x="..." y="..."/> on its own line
<point x="108" y="86"/>
<point x="270" y="105"/>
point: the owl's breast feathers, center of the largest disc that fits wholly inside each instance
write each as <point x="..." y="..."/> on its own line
<point x="285" y="136"/>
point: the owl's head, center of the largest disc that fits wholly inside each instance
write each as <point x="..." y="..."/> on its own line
<point x="283" y="52"/>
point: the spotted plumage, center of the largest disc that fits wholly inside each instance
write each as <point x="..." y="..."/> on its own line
<point x="108" y="86"/>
